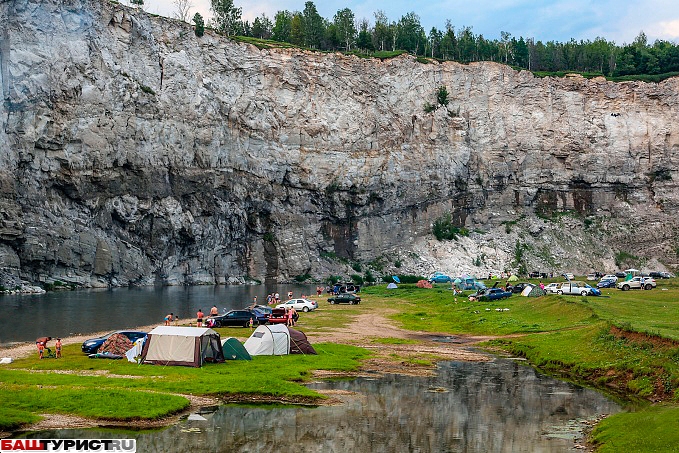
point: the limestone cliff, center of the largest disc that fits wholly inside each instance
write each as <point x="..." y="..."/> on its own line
<point x="134" y="151"/>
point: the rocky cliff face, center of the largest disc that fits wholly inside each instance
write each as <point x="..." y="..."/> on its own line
<point x="134" y="151"/>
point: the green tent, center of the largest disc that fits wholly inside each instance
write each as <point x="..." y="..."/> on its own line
<point x="234" y="350"/>
<point x="513" y="278"/>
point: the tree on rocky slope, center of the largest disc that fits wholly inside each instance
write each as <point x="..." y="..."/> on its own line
<point x="226" y="16"/>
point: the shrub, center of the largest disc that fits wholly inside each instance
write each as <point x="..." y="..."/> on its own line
<point x="444" y="229"/>
<point x="302" y="278"/>
<point x="333" y="279"/>
<point x="442" y="95"/>
<point x="200" y="25"/>
<point x="357" y="279"/>
<point x="369" y="277"/>
<point x="356" y="267"/>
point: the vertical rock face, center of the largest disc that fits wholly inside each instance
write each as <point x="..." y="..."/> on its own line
<point x="134" y="152"/>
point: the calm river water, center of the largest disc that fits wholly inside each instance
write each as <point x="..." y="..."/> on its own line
<point x="63" y="313"/>
<point x="500" y="406"/>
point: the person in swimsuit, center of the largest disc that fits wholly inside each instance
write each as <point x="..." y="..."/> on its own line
<point x="57" y="347"/>
<point x="199" y="318"/>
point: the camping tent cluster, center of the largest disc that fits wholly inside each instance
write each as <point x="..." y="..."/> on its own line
<point x="193" y="346"/>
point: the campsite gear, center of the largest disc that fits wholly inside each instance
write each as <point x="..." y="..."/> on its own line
<point x="185" y="346"/>
<point x="396" y="279"/>
<point x="234" y="350"/>
<point x="277" y="339"/>
<point x="533" y="291"/>
<point x="513" y="278"/>
<point x="117" y="344"/>
<point x="134" y="353"/>
<point x="105" y="355"/>
<point x="392" y="285"/>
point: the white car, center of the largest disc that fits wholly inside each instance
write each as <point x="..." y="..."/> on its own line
<point x="609" y="277"/>
<point x="637" y="283"/>
<point x="552" y="288"/>
<point x="304" y="305"/>
<point x="581" y="288"/>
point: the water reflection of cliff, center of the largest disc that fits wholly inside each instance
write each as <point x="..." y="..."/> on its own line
<point x="472" y="407"/>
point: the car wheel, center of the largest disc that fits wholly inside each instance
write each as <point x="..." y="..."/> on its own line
<point x="218" y="324"/>
<point x="332" y="302"/>
<point x="625" y="287"/>
<point x="584" y="293"/>
<point x="305" y="309"/>
<point x="559" y="292"/>
<point x="649" y="286"/>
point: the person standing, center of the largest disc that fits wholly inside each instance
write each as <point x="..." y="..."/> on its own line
<point x="168" y="319"/>
<point x="199" y="318"/>
<point x="214" y="311"/>
<point x="41" y="348"/>
<point x="57" y="347"/>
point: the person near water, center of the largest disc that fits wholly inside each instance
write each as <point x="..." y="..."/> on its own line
<point x="214" y="311"/>
<point x="168" y="319"/>
<point x="199" y="318"/>
<point x="57" y="347"/>
<point x="41" y="348"/>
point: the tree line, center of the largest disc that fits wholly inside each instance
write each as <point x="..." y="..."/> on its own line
<point x="344" y="32"/>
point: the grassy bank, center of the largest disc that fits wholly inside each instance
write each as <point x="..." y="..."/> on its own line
<point x="123" y="391"/>
<point x="624" y="343"/>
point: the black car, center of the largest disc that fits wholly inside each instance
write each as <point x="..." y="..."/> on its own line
<point x="660" y="274"/>
<point x="620" y="274"/>
<point x="92" y="345"/>
<point x="345" y="298"/>
<point x="234" y="318"/>
<point x="518" y="287"/>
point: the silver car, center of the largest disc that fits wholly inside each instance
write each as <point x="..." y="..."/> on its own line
<point x="637" y="283"/>
<point x="576" y="288"/>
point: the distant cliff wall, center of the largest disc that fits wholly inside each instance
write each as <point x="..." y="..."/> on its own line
<point x="135" y="152"/>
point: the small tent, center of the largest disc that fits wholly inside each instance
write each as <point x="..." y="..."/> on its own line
<point x="187" y="346"/>
<point x="392" y="285"/>
<point x="533" y="291"/>
<point x="299" y="343"/>
<point x="513" y="278"/>
<point x="234" y="350"/>
<point x="271" y="339"/>
<point x="277" y="339"/>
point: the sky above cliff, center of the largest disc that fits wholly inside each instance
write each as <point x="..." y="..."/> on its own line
<point x="558" y="20"/>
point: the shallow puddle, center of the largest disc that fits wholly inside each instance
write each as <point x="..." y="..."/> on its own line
<point x="499" y="406"/>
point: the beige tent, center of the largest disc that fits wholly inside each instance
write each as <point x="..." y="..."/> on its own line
<point x="187" y="346"/>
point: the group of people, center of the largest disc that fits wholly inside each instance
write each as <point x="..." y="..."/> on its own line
<point x="41" y="344"/>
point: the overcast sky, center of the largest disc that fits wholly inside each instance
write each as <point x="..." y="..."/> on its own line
<point x="558" y="20"/>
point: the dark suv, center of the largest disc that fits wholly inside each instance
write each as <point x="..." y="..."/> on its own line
<point x="659" y="274"/>
<point x="345" y="298"/>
